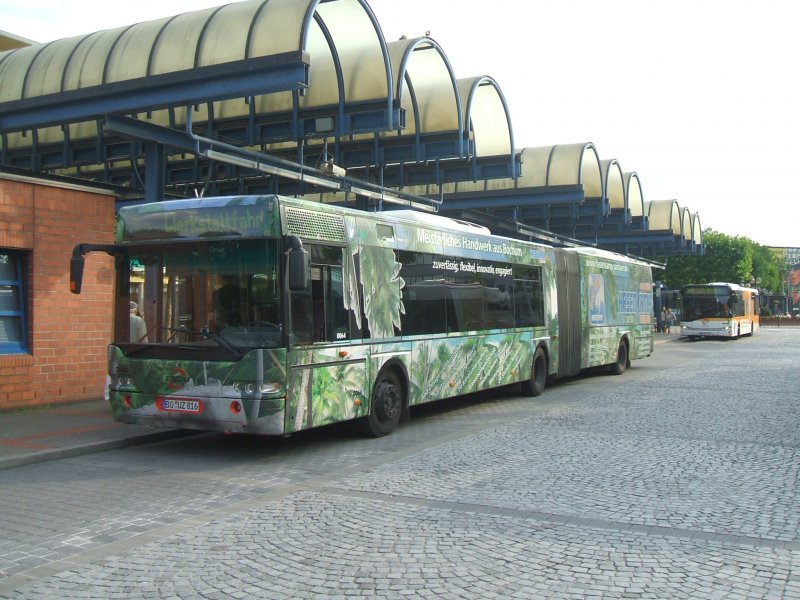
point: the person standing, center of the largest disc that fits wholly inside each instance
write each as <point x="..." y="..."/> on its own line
<point x="670" y="319"/>
<point x="662" y="321"/>
<point x="138" y="326"/>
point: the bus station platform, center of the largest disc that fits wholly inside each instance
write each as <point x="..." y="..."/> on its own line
<point x="48" y="433"/>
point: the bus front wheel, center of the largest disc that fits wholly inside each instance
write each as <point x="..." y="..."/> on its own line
<point x="535" y="385"/>
<point x="618" y="368"/>
<point x="386" y="406"/>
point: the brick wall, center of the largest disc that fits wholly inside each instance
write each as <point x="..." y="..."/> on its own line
<point x="67" y="334"/>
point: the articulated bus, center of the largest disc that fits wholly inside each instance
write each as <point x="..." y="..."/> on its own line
<point x="270" y="315"/>
<point x="719" y="310"/>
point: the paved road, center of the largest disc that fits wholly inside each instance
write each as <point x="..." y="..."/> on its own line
<point x="679" y="479"/>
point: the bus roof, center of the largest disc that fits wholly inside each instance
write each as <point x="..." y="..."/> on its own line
<point x="223" y="217"/>
<point x="732" y="286"/>
<point x="439" y="220"/>
<point x="608" y="254"/>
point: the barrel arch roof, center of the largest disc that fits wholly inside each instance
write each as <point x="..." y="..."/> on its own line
<point x="184" y="41"/>
<point x="634" y="195"/>
<point x="562" y="164"/>
<point x="350" y="60"/>
<point x="436" y="102"/>
<point x="486" y="116"/>
<point x="613" y="183"/>
<point x="664" y="215"/>
<point x="690" y="225"/>
<point x="692" y="234"/>
<point x="349" y="56"/>
<point x="535" y="162"/>
<point x="686" y="222"/>
<point x="576" y="164"/>
<point x="697" y="231"/>
<point x="571" y="164"/>
<point x="425" y="85"/>
<point x="543" y="166"/>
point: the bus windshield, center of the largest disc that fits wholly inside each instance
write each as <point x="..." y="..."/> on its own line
<point x="217" y="296"/>
<point x="708" y="303"/>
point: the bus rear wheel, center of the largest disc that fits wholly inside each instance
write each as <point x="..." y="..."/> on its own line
<point x="618" y="368"/>
<point x="535" y="385"/>
<point x="386" y="406"/>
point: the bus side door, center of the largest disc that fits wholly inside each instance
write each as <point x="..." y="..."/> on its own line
<point x="327" y="373"/>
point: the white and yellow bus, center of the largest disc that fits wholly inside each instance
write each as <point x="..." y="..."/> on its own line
<point x="719" y="310"/>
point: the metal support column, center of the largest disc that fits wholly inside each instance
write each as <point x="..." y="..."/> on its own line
<point x="155" y="165"/>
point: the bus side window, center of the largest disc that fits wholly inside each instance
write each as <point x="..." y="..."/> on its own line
<point x="528" y="297"/>
<point x="423" y="295"/>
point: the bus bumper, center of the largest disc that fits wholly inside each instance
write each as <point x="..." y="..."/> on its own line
<point x="726" y="331"/>
<point x="263" y="416"/>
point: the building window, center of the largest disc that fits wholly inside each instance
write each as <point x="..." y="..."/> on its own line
<point x="13" y="339"/>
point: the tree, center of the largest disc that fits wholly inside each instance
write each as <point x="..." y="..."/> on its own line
<point x="732" y="259"/>
<point x="767" y="269"/>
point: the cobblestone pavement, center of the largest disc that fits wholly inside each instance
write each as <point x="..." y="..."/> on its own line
<point x="679" y="479"/>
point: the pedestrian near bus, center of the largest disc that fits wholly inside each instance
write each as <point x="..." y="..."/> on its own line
<point x="138" y="331"/>
<point x="670" y="319"/>
<point x="662" y="321"/>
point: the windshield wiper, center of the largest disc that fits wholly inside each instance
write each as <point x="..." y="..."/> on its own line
<point x="208" y="334"/>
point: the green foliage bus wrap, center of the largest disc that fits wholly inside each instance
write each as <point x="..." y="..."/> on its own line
<point x="269" y="315"/>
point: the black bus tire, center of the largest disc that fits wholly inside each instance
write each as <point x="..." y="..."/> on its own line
<point x="618" y="368"/>
<point x="386" y="406"/>
<point x="534" y="386"/>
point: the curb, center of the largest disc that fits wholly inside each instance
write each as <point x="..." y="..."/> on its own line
<point x="81" y="449"/>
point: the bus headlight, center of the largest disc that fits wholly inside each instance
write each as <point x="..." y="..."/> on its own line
<point x="248" y="388"/>
<point x="123" y="381"/>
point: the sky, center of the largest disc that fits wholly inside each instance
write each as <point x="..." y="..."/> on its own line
<point x="698" y="97"/>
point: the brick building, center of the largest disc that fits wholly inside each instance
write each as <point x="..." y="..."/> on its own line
<point x="52" y="343"/>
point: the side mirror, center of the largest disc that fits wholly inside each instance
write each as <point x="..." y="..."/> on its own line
<point x="298" y="265"/>
<point x="76" y="263"/>
<point x="76" y="274"/>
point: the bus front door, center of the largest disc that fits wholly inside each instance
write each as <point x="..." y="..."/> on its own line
<point x="328" y="375"/>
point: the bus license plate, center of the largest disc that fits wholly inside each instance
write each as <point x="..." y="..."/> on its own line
<point x="180" y="405"/>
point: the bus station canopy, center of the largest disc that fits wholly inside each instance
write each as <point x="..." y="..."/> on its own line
<point x="304" y="98"/>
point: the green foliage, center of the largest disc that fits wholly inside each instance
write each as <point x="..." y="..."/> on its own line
<point x="333" y="392"/>
<point x="454" y="366"/>
<point x="383" y="300"/>
<point x="733" y="259"/>
<point x="767" y="267"/>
